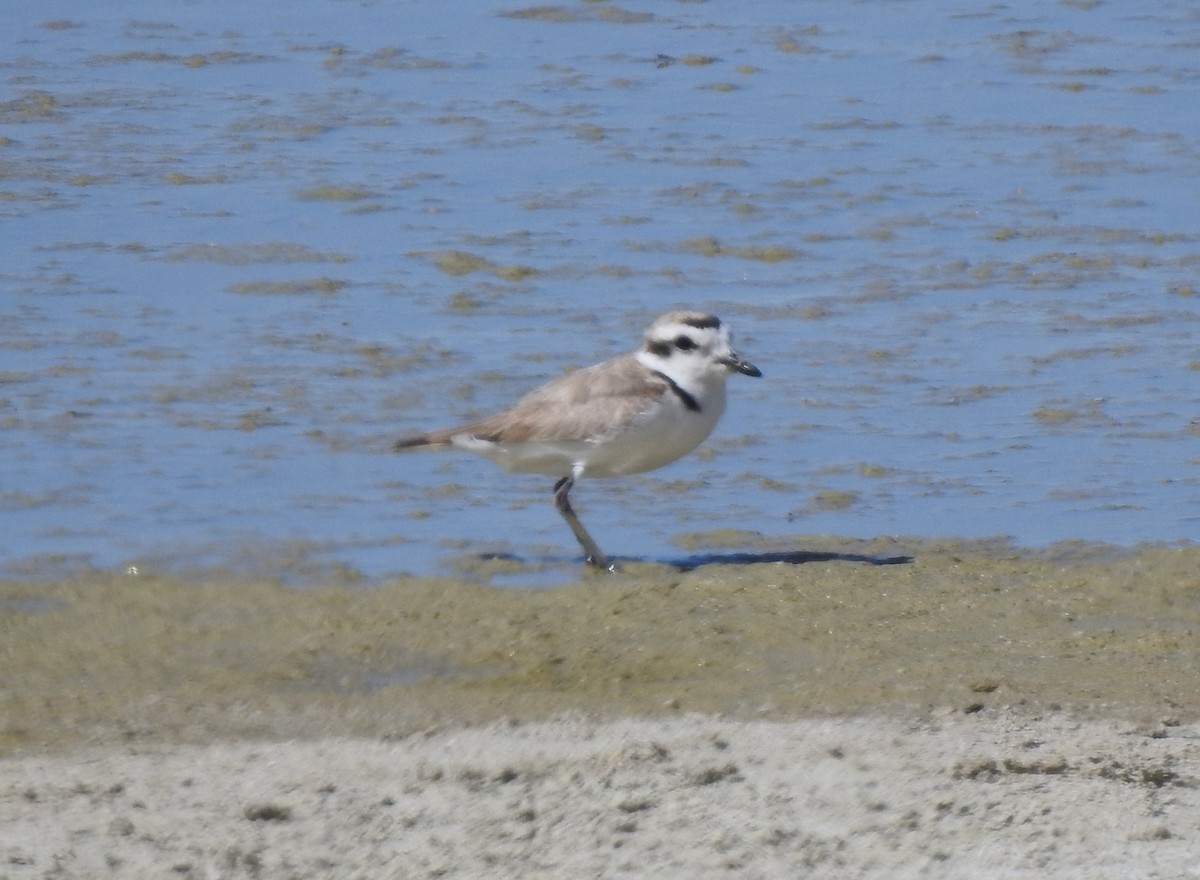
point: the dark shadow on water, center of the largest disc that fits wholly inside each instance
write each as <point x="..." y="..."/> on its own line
<point x="551" y="569"/>
<point x="791" y="557"/>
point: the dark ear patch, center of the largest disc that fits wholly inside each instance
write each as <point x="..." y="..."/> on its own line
<point x="661" y="349"/>
<point x="703" y="322"/>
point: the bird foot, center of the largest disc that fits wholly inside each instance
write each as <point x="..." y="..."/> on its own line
<point x="600" y="563"/>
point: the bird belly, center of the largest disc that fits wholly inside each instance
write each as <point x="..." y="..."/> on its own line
<point x="651" y="445"/>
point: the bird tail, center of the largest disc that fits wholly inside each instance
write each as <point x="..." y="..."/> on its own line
<point x="432" y="439"/>
<point x="419" y="441"/>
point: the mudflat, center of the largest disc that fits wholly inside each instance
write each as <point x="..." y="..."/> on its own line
<point x="976" y="711"/>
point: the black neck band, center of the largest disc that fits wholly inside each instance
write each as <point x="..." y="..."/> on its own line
<point x="688" y="401"/>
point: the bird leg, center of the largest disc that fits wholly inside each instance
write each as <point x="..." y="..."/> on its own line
<point x="591" y="551"/>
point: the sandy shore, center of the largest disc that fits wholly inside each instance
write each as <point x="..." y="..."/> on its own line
<point x="961" y="797"/>
<point x="975" y="712"/>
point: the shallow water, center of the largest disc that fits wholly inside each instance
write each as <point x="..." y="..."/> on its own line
<point x="243" y="252"/>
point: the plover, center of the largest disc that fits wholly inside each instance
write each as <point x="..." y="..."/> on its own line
<point x="628" y="415"/>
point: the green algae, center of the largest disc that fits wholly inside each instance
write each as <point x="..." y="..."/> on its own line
<point x="1096" y="630"/>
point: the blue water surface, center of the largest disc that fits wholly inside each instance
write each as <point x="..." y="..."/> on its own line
<point x="248" y="245"/>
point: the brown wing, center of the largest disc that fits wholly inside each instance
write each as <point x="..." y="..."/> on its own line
<point x="591" y="402"/>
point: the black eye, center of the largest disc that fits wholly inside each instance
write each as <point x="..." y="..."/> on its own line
<point x="685" y="343"/>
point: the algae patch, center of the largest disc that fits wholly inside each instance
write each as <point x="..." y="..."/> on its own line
<point x="146" y="658"/>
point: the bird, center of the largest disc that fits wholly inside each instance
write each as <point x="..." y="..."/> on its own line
<point x="632" y="414"/>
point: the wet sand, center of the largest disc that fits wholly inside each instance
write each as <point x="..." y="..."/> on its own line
<point x="976" y="712"/>
<point x="1090" y="630"/>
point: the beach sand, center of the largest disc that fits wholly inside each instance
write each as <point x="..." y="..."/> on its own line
<point x="978" y="712"/>
<point x="682" y="798"/>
